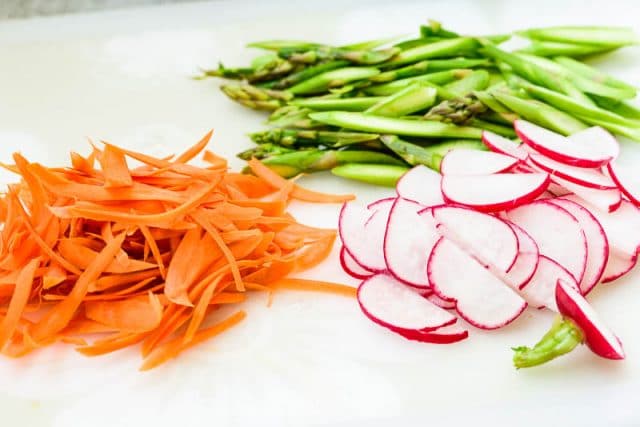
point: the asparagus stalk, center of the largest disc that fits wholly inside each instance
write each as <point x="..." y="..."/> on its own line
<point x="505" y="115"/>
<point x="264" y="151"/>
<point x="334" y="78"/>
<point x="415" y="97"/>
<point x="591" y="73"/>
<point x="342" y="104"/>
<point x="598" y="36"/>
<point x="629" y="132"/>
<point x="434" y="29"/>
<point x="563" y="337"/>
<point x="621" y="108"/>
<point x="428" y="66"/>
<point x="458" y="110"/>
<point x="544" y="48"/>
<point x="384" y="175"/>
<point x="297" y="137"/>
<point x="369" y="123"/>
<point x="283" y="44"/>
<point x="506" y="131"/>
<point x="256" y="98"/>
<point x="440" y="49"/>
<point x="438" y="78"/>
<point x="328" y="53"/>
<point x="307" y="73"/>
<point x="477" y="80"/>
<point x="369" y="44"/>
<point x="431" y="155"/>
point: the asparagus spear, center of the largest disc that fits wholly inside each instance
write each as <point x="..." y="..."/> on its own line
<point x="431" y="155"/>
<point x="296" y="137"/>
<point x="415" y="97"/>
<point x="545" y="48"/>
<point x="369" y="44"/>
<point x="458" y="110"/>
<point x="563" y="337"/>
<point x="588" y="72"/>
<point x="441" y="49"/>
<point x="629" y="132"/>
<point x="438" y="78"/>
<point x="428" y="66"/>
<point x="384" y="175"/>
<point x="505" y="115"/>
<point x="477" y="80"/>
<point x="307" y="73"/>
<point x="283" y="44"/>
<point x="598" y="36"/>
<point x="342" y="104"/>
<point x="621" y="108"/>
<point x="256" y="98"/>
<point x="434" y="29"/>
<point x="333" y="78"/>
<point x="368" y="123"/>
<point x="328" y="53"/>
<point x="540" y="113"/>
<point x="506" y="131"/>
<point x="264" y="151"/>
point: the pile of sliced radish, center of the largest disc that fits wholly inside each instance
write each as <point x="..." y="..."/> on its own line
<point x="538" y="224"/>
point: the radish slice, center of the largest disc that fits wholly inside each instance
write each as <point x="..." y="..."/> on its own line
<point x="445" y="335"/>
<point x="620" y="226"/>
<point x="600" y="339"/>
<point x="408" y="242"/>
<point x="539" y="291"/>
<point x="590" y="148"/>
<point x="627" y="180"/>
<point x="485" y="237"/>
<point x="617" y="266"/>
<point x="481" y="298"/>
<point x="421" y="185"/>
<point x="362" y="233"/>
<point x="351" y="266"/>
<point x="591" y="178"/>
<point x="440" y="302"/>
<point x="597" y="243"/>
<point x="526" y="262"/>
<point x="380" y="204"/>
<point x="500" y="144"/>
<point x="490" y="193"/>
<point x="557" y="233"/>
<point x="464" y="161"/>
<point x="605" y="200"/>
<point x="558" y="190"/>
<point x="396" y="306"/>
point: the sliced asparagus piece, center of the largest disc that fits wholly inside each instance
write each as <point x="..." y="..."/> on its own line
<point x="546" y="48"/>
<point x="434" y="29"/>
<point x="291" y="137"/>
<point x="342" y="104"/>
<point x="598" y="36"/>
<point x="370" y="44"/>
<point x="384" y="175"/>
<point x="506" y="131"/>
<point x="458" y="110"/>
<point x="255" y="97"/>
<point x="622" y="108"/>
<point x="588" y="72"/>
<point x="264" y="151"/>
<point x="506" y="116"/>
<point x="430" y="155"/>
<point x="441" y="49"/>
<point x="415" y="97"/>
<point x="439" y="78"/>
<point x="368" y="123"/>
<point x="333" y="78"/>
<point x="629" y="132"/>
<point x="429" y="66"/>
<point x="307" y="73"/>
<point x="328" y="53"/>
<point x="283" y="44"/>
<point x="477" y="80"/>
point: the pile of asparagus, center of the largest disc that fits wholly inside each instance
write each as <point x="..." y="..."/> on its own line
<point x="370" y="110"/>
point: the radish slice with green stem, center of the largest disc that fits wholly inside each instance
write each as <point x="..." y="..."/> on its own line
<point x="500" y="144"/>
<point x="491" y="193"/>
<point x="421" y="185"/>
<point x="465" y="161"/>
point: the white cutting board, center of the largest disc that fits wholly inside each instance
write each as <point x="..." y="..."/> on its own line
<point x="309" y="360"/>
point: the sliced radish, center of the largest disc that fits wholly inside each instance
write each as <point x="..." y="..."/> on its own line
<point x="490" y="193"/>
<point x="362" y="233"/>
<point x="618" y="265"/>
<point x="481" y="298"/>
<point x="557" y="233"/>
<point x="558" y="190"/>
<point x="620" y="226"/>
<point x="605" y="200"/>
<point x="591" y="178"/>
<point x="500" y="144"/>
<point x="588" y="149"/>
<point x="445" y="335"/>
<point x="421" y="185"/>
<point x="396" y="306"/>
<point x="440" y="302"/>
<point x="408" y="242"/>
<point x="540" y="290"/>
<point x="600" y="339"/>
<point x="627" y="180"/>
<point x="465" y="161"/>
<point x="527" y="261"/>
<point x="351" y="266"/>
<point x="597" y="243"/>
<point x="381" y="204"/>
<point x="485" y="237"/>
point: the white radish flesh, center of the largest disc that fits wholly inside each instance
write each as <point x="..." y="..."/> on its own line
<point x="351" y="266"/>
<point x="465" y="161"/>
<point x="605" y="200"/>
<point x="591" y="178"/>
<point x="600" y="339"/>
<point x="557" y="233"/>
<point x="618" y="265"/>
<point x="627" y="180"/>
<point x="396" y="306"/>
<point x="481" y="298"/>
<point x="527" y="261"/>
<point x="500" y="144"/>
<point x="362" y="233"/>
<point x="540" y="290"/>
<point x="490" y="193"/>
<point x="408" y="242"/>
<point x="440" y="302"/>
<point x="421" y="185"/>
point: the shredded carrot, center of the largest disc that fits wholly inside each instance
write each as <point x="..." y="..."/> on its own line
<point x="145" y="254"/>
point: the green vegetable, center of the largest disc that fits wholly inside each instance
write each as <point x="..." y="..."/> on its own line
<point x="415" y="97"/>
<point x="599" y="36"/>
<point x="334" y="78"/>
<point x="563" y="337"/>
<point x="384" y="175"/>
<point x="430" y="155"/>
<point x="441" y="49"/>
<point x="291" y="137"/>
<point x="439" y="78"/>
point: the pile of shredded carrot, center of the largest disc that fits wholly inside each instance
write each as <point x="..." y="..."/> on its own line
<point x="145" y="255"/>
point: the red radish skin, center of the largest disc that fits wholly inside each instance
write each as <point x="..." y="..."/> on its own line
<point x="422" y="185"/>
<point x="598" y="337"/>
<point x="500" y="144"/>
<point x="362" y="233"/>
<point x="597" y="243"/>
<point x="481" y="298"/>
<point x="605" y="200"/>
<point x="556" y="189"/>
<point x="351" y="266"/>
<point x="441" y="302"/>
<point x="527" y="261"/>
<point x="617" y="266"/>
<point x="398" y="307"/>
<point x="627" y="181"/>
<point x="381" y="204"/>
<point x="590" y="148"/>
<point x="408" y="241"/>
<point x="591" y="178"/>
<point x="464" y="161"/>
<point x="539" y="291"/>
<point x="557" y="233"/>
<point x="620" y="226"/>
<point x="492" y="193"/>
<point x="446" y="335"/>
<point x="485" y="237"/>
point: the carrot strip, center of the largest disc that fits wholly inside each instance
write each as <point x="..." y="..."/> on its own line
<point x="117" y="342"/>
<point x="315" y="286"/>
<point x="81" y="257"/>
<point x="138" y="314"/>
<point x="200" y="310"/>
<point x="19" y="300"/>
<point x="153" y="246"/>
<point x="114" y="168"/>
<point x="193" y="151"/>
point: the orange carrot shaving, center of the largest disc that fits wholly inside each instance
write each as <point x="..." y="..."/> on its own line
<point x="145" y="254"/>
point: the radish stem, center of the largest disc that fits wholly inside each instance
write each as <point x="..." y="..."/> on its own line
<point x="563" y="337"/>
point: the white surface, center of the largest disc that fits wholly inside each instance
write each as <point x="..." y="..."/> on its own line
<point x="310" y="359"/>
